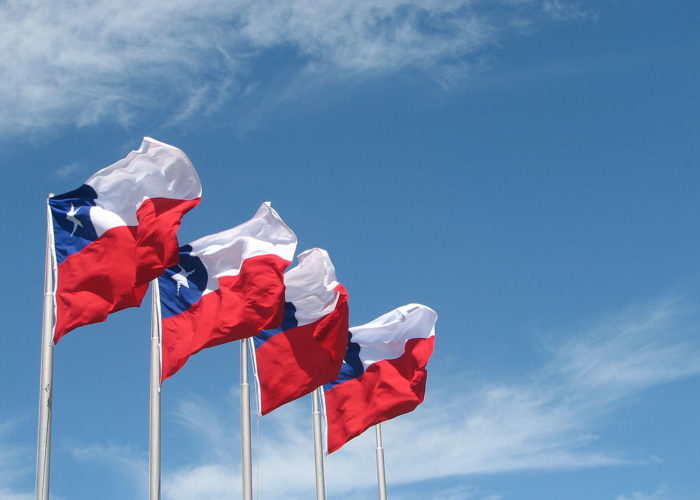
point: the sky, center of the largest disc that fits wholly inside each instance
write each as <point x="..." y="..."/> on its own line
<point x="527" y="168"/>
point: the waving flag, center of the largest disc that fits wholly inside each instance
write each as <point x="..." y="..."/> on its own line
<point x="307" y="350"/>
<point x="118" y="231"/>
<point x="383" y="375"/>
<point x="227" y="286"/>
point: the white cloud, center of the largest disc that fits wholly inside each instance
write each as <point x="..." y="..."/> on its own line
<point x="214" y="482"/>
<point x="565" y="11"/>
<point x="546" y="422"/>
<point x="7" y="494"/>
<point x="660" y="494"/>
<point x="15" y="464"/>
<point x="126" y="460"/>
<point x="460" y="493"/>
<point x="69" y="169"/>
<point x="79" y="62"/>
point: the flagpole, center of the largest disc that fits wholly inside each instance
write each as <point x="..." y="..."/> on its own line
<point x="381" y="476"/>
<point x="246" y="452"/>
<point x="318" y="445"/>
<point x="43" y="447"/>
<point x="154" y="422"/>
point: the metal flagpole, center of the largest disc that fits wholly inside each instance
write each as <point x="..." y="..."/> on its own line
<point x="246" y="453"/>
<point x="318" y="445"/>
<point x="381" y="477"/>
<point x="154" y="423"/>
<point x="43" y="446"/>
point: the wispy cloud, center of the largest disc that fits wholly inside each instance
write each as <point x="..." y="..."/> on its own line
<point x="212" y="431"/>
<point x="79" y="62"/>
<point x="16" y="464"/>
<point x="126" y="460"/>
<point x="566" y="11"/>
<point x="546" y="422"/>
<point x="660" y="494"/>
<point x="454" y="493"/>
<point x="69" y="169"/>
<point x="8" y="494"/>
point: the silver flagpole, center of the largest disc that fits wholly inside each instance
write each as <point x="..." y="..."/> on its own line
<point x="381" y="476"/>
<point x="246" y="453"/>
<point x="318" y="445"/>
<point x="154" y="423"/>
<point x="43" y="446"/>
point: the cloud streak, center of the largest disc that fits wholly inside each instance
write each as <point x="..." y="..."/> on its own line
<point x="546" y="422"/>
<point x="79" y="62"/>
<point x="660" y="494"/>
<point x="15" y="464"/>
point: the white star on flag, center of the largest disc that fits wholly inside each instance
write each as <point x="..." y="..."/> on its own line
<point x="181" y="278"/>
<point x="70" y="215"/>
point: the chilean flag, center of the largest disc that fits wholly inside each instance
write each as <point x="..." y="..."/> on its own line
<point x="118" y="231"/>
<point x="307" y="350"/>
<point x="227" y="286"/>
<point x="383" y="374"/>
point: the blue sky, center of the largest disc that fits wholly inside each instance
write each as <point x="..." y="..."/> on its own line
<point x="528" y="168"/>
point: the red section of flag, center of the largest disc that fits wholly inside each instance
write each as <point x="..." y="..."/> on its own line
<point x="387" y="389"/>
<point x="156" y="239"/>
<point x="97" y="281"/>
<point x="112" y="273"/>
<point x="241" y="307"/>
<point x="296" y="361"/>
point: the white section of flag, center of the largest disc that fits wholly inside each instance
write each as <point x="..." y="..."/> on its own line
<point x="104" y="220"/>
<point x="223" y="253"/>
<point x="156" y="170"/>
<point x="385" y="337"/>
<point x="310" y="286"/>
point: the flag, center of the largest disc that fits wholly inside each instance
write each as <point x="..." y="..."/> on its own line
<point x="383" y="374"/>
<point x="307" y="350"/>
<point x="227" y="286"/>
<point x="118" y="231"/>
